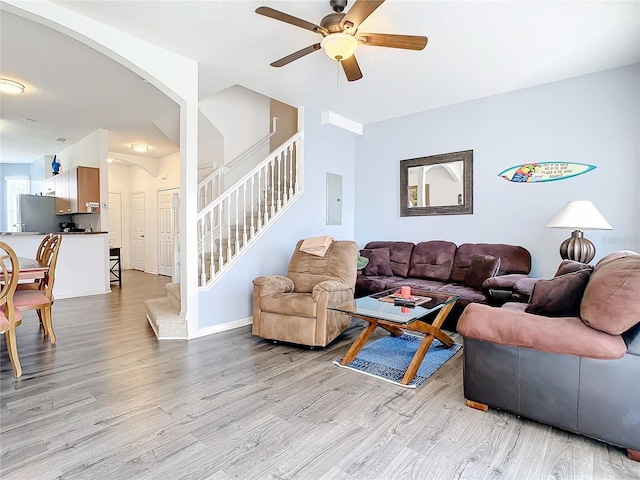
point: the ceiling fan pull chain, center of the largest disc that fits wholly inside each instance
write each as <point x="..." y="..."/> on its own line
<point x="337" y="72"/>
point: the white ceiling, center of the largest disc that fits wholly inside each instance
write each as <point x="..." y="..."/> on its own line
<point x="475" y="49"/>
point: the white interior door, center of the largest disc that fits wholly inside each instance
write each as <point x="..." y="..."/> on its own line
<point x="165" y="231"/>
<point x="115" y="219"/>
<point x="137" y="231"/>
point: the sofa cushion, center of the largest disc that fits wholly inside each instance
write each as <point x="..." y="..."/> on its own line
<point x="513" y="258"/>
<point x="481" y="268"/>
<point x="611" y="301"/>
<point x="568" y="266"/>
<point x="562" y="335"/>
<point x="379" y="262"/>
<point x="560" y="296"/>
<point x="504" y="282"/>
<point x="467" y="294"/>
<point x="400" y="253"/>
<point x="368" y="285"/>
<point x="614" y="255"/>
<point x="432" y="260"/>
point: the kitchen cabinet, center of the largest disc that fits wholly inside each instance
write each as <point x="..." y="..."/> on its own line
<point x="77" y="190"/>
<point x="61" y="189"/>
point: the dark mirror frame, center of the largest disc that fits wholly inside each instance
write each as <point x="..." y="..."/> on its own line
<point x="467" y="206"/>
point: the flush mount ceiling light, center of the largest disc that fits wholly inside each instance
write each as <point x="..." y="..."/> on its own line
<point x="339" y="46"/>
<point x="137" y="147"/>
<point x="9" y="86"/>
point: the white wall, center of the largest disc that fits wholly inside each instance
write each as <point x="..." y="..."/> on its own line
<point x="592" y="119"/>
<point x="242" y="117"/>
<point x="326" y="149"/>
<point x="128" y="179"/>
<point x="91" y="151"/>
<point x="38" y="171"/>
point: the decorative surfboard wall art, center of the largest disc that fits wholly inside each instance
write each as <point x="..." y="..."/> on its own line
<point x="544" y="172"/>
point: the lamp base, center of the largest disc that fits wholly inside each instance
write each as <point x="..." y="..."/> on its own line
<point x="577" y="248"/>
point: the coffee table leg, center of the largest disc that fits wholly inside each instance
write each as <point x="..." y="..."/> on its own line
<point x="416" y="361"/>
<point x="431" y="331"/>
<point x="358" y="344"/>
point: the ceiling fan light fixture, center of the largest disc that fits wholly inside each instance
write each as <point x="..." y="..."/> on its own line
<point x="10" y="86"/>
<point x="136" y="147"/>
<point x="339" y="46"/>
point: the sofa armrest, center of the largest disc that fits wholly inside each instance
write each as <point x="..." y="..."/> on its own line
<point x="524" y="286"/>
<point x="503" y="282"/>
<point x="329" y="286"/>
<point x="562" y="335"/>
<point x="273" y="284"/>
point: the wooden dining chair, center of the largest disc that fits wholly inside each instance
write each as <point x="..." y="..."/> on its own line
<point x="10" y="316"/>
<point x="41" y="298"/>
<point x="42" y="258"/>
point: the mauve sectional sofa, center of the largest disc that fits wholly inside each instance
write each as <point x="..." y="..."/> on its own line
<point x="439" y="265"/>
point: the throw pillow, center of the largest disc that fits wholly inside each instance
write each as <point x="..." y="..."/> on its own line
<point x="560" y="296"/>
<point x="481" y="268"/>
<point x="379" y="262"/>
<point x="569" y="266"/>
<point x="611" y="301"/>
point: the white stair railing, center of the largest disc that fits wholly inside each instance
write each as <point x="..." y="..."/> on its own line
<point x="240" y="215"/>
<point x="210" y="188"/>
<point x="251" y="150"/>
<point x="213" y="184"/>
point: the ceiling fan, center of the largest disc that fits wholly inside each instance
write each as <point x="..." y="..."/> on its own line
<point x="341" y="37"/>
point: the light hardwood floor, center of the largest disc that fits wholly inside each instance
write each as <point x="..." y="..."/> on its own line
<point x="109" y="401"/>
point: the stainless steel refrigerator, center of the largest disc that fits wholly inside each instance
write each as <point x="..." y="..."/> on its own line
<point x="37" y="214"/>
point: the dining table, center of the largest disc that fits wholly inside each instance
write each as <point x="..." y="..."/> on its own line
<point x="31" y="269"/>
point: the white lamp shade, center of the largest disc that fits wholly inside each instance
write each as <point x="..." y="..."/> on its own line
<point x="339" y="46"/>
<point x="579" y="215"/>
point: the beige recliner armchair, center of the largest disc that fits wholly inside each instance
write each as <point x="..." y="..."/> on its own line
<point x="293" y="308"/>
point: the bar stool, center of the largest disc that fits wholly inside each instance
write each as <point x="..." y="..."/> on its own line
<point x="115" y="267"/>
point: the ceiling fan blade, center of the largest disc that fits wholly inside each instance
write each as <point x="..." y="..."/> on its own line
<point x="290" y="19"/>
<point x="410" y="42"/>
<point x="359" y="12"/>
<point x="296" y="55"/>
<point x="351" y="68"/>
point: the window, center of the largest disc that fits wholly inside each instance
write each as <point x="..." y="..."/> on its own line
<point x="14" y="187"/>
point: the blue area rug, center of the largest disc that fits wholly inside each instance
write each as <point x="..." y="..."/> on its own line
<point x="388" y="358"/>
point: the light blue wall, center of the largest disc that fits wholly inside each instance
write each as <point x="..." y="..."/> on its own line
<point x="593" y="119"/>
<point x="327" y="149"/>
<point x="9" y="170"/>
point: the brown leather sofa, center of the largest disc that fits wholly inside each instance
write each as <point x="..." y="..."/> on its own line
<point x="439" y="265"/>
<point x="579" y="372"/>
<point x="293" y="308"/>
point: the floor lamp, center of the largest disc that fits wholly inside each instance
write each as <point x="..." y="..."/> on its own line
<point x="577" y="216"/>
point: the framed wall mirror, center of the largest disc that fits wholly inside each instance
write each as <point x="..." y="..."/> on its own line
<point x="437" y="185"/>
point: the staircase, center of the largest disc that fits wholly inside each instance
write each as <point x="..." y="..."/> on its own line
<point x="228" y="223"/>
<point x="164" y="314"/>
<point x="235" y="219"/>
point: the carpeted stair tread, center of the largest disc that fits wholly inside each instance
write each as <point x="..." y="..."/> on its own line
<point x="165" y="318"/>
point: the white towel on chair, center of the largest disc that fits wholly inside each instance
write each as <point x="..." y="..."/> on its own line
<point x="317" y="246"/>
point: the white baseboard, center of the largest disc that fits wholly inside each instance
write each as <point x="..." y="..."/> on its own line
<point x="201" y="332"/>
<point x="82" y="294"/>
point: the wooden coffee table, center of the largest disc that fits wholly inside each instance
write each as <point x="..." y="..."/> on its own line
<point x="380" y="311"/>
